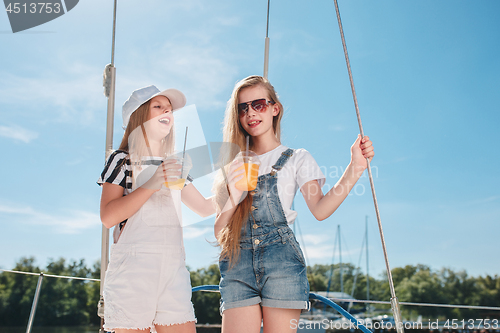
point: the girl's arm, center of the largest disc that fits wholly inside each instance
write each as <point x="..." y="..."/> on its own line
<point x="322" y="206"/>
<point x="223" y="217"/>
<point x="195" y="201"/>
<point x="115" y="207"/>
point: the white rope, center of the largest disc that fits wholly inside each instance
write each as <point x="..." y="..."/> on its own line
<point x="477" y="307"/>
<point x="389" y="275"/>
<point x="50" y="275"/>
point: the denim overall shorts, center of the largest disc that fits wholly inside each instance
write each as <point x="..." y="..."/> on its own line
<point x="271" y="269"/>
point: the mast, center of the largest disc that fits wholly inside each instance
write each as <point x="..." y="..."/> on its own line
<point x="331" y="266"/>
<point x="357" y="271"/>
<point x="266" y="49"/>
<point x="109" y="85"/>
<point x="340" y="263"/>
<point x="367" y="261"/>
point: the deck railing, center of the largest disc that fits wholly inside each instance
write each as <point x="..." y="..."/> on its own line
<point x="215" y="288"/>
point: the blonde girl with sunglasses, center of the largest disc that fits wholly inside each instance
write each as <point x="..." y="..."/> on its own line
<point x="263" y="271"/>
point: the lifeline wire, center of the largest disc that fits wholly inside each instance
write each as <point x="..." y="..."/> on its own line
<point x="389" y="275"/>
<point x="215" y="288"/>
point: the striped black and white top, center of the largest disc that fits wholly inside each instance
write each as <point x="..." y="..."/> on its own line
<point x="118" y="171"/>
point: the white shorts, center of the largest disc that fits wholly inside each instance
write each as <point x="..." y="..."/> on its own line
<point x="146" y="285"/>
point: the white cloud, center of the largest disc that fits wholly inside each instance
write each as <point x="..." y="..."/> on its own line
<point x="320" y="246"/>
<point x="67" y="90"/>
<point x="318" y="251"/>
<point x="190" y="233"/>
<point x="315" y="239"/>
<point x="18" y="133"/>
<point x="336" y="128"/>
<point x="71" y="96"/>
<point x="201" y="71"/>
<point x="480" y="201"/>
<point x="71" y="222"/>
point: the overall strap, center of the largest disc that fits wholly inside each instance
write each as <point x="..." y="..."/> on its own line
<point x="285" y="156"/>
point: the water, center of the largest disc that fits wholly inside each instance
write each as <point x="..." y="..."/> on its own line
<point x="48" y="329"/>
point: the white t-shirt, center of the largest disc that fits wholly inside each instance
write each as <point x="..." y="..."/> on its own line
<point x="298" y="170"/>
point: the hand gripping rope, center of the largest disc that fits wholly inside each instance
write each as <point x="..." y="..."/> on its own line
<point x="394" y="299"/>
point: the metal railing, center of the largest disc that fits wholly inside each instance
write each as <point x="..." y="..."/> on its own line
<point x="41" y="275"/>
<point x="215" y="288"/>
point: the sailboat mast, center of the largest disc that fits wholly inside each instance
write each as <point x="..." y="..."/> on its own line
<point x="110" y="75"/>
<point x="367" y="261"/>
<point x="340" y="263"/>
<point x="266" y="49"/>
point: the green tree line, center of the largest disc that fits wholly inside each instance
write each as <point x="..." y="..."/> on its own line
<point x="68" y="302"/>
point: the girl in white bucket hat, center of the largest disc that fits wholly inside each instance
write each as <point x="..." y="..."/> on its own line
<point x="147" y="286"/>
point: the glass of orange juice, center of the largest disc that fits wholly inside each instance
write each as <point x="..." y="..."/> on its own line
<point x="251" y="165"/>
<point x="183" y="164"/>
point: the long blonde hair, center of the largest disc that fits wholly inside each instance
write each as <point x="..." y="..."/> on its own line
<point x="135" y="140"/>
<point x="233" y="132"/>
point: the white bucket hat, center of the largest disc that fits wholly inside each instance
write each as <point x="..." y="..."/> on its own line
<point x="142" y="95"/>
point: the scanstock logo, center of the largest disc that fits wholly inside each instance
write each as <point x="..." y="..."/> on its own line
<point x="25" y="15"/>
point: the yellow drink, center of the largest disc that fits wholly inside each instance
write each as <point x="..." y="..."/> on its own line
<point x="250" y="177"/>
<point x="176" y="184"/>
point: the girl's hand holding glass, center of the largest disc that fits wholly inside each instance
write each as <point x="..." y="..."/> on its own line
<point x="172" y="171"/>
<point x="235" y="173"/>
<point x="169" y="170"/>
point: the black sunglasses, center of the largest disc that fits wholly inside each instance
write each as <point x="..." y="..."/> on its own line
<point x="259" y="105"/>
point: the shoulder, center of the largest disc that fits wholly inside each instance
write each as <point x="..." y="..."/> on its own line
<point x="306" y="167"/>
<point x="118" y="155"/>
<point x="116" y="169"/>
<point x="118" y="158"/>
<point x="301" y="155"/>
<point x="301" y="152"/>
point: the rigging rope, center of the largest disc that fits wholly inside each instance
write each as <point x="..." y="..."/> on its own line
<point x="394" y="299"/>
<point x="356" y="272"/>
<point x="333" y="262"/>
<point x="296" y="222"/>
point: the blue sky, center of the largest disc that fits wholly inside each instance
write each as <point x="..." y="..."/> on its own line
<point x="427" y="77"/>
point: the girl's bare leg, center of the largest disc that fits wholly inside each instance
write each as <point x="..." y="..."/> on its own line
<point x="120" y="330"/>
<point x="188" y="327"/>
<point x="242" y="320"/>
<point x="278" y="320"/>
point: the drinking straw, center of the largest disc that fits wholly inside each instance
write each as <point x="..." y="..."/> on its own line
<point x="248" y="141"/>
<point x="184" y="149"/>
